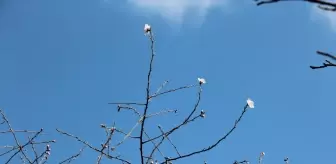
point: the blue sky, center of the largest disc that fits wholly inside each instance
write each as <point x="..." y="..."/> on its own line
<point x="62" y="62"/>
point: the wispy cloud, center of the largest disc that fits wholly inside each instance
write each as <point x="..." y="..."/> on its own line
<point x="176" y="10"/>
<point x="328" y="17"/>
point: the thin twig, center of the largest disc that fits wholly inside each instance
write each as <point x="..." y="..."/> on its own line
<point x="169" y="140"/>
<point x="105" y="145"/>
<point x="128" y="108"/>
<point x="34" y="150"/>
<point x="73" y="157"/>
<point x="90" y="146"/>
<point x="155" y="145"/>
<point x="171" y="90"/>
<point x="127" y="103"/>
<point x="162" y="112"/>
<point x="161" y="87"/>
<point x="241" y="162"/>
<point x="19" y="131"/>
<point x="129" y="133"/>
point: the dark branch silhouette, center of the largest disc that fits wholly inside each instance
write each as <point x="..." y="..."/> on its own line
<point x="327" y="63"/>
<point x="322" y="4"/>
<point x="73" y="157"/>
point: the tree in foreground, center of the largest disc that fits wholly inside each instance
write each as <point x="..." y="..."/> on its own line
<point x="154" y="154"/>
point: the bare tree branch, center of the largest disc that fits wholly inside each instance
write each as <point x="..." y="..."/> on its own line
<point x="91" y="147"/>
<point x="105" y="145"/>
<point x="327" y="63"/>
<point x="147" y="96"/>
<point x="213" y="145"/>
<point x="157" y="141"/>
<point x="127" y="103"/>
<point x="241" y="162"/>
<point x="21" y="148"/>
<point x="186" y="121"/>
<point x="324" y="5"/>
<point x="73" y="157"/>
<point x="171" y="90"/>
<point x="169" y="140"/>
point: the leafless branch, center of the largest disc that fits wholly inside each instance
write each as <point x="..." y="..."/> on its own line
<point x="143" y="137"/>
<point x="173" y="129"/>
<point x="171" y="90"/>
<point x="143" y="121"/>
<point x="169" y="140"/>
<point x="241" y="162"/>
<point x="155" y="145"/>
<point x="33" y="148"/>
<point x="129" y="108"/>
<point x="19" y="148"/>
<point x="105" y="145"/>
<point x="73" y="157"/>
<point x="162" y="112"/>
<point x="120" y="131"/>
<point x="327" y="63"/>
<point x="19" y="131"/>
<point x="129" y="133"/>
<point x="213" y="145"/>
<point x="127" y="103"/>
<point x="324" y="5"/>
<point x="161" y="87"/>
<point x="91" y="147"/>
<point x="186" y="121"/>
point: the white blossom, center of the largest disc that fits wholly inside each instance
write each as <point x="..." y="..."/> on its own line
<point x="250" y="103"/>
<point x="262" y="154"/>
<point x="147" y="28"/>
<point x="201" y="80"/>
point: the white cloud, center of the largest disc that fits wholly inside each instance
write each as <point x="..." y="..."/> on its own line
<point x="327" y="16"/>
<point x="176" y="10"/>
